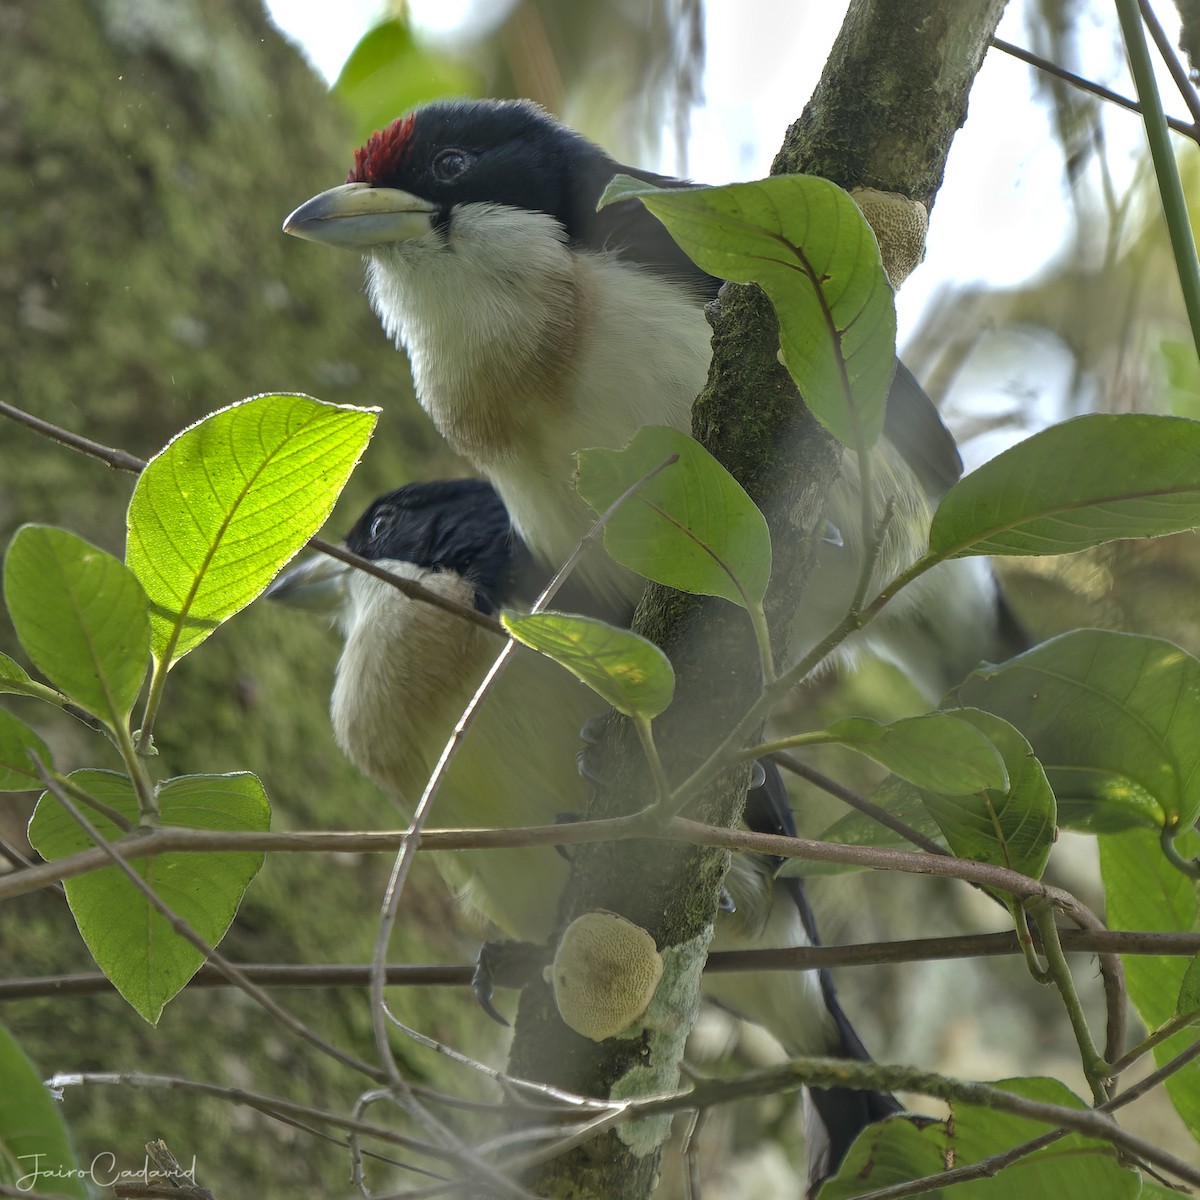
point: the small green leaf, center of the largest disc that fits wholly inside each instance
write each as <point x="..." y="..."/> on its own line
<point x="630" y="673"/>
<point x="804" y="241"/>
<point x="219" y="511"/>
<point x="1142" y="890"/>
<point x="388" y="73"/>
<point x="1073" y="1168"/>
<point x="17" y="772"/>
<point x="17" y="681"/>
<point x="1113" y="718"/>
<point x="1009" y="827"/>
<point x="81" y="616"/>
<point x="938" y="751"/>
<point x="1189" y="990"/>
<point x="36" y="1155"/>
<point x="895" y="796"/>
<point x="132" y="943"/>
<point x="12" y="673"/>
<point x="691" y="527"/>
<point x="1131" y="475"/>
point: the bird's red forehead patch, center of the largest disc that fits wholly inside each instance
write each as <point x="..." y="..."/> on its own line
<point x="384" y="152"/>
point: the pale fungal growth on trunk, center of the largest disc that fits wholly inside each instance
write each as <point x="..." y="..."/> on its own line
<point x="604" y="974"/>
<point x="900" y="226"/>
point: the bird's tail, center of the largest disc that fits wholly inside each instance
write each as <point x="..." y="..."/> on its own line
<point x="834" y="1117"/>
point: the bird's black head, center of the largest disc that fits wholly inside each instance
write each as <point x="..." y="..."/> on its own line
<point x="514" y="153"/>
<point x="457" y="525"/>
<point x="486" y="151"/>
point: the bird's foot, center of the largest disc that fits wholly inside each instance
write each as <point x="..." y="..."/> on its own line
<point x="505" y="964"/>
<point x="585" y="757"/>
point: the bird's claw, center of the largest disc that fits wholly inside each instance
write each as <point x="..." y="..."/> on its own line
<point x="591" y="734"/>
<point x="505" y="964"/>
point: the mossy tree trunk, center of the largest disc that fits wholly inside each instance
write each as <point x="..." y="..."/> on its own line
<point x="148" y="153"/>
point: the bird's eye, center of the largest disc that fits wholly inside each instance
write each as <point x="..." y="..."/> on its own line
<point x="451" y="163"/>
<point x="376" y="527"/>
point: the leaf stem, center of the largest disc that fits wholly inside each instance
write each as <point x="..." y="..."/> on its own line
<point x="645" y="732"/>
<point x="1166" y="840"/>
<point x="762" y="635"/>
<point x="1025" y="942"/>
<point x="147" y="801"/>
<point x="1095" y="1069"/>
<point x="158" y="683"/>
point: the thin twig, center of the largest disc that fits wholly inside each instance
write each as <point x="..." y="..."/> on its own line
<point x="1042" y="64"/>
<point x="275" y="1107"/>
<point x="1183" y="81"/>
<point x="794" y="958"/>
<point x="858" y="802"/>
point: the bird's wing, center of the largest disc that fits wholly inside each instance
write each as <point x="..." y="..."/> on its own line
<point x="915" y="427"/>
<point x="629" y="230"/>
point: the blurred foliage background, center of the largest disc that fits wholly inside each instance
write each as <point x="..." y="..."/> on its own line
<point x="148" y="153"/>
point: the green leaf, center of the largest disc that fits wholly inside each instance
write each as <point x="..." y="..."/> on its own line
<point x="1113" y="719"/>
<point x="1073" y="1168"/>
<point x="1087" y="481"/>
<point x="895" y="796"/>
<point x="1189" y="990"/>
<point x="939" y="751"/>
<point x="806" y="244"/>
<point x="17" y="772"/>
<point x="388" y="73"/>
<point x="1011" y="826"/>
<point x="630" y="673"/>
<point x="691" y="527"/>
<point x="1142" y="890"/>
<point x="12" y="672"/>
<point x="81" y="617"/>
<point x="132" y="943"/>
<point x="229" y="501"/>
<point x="17" y="681"/>
<point x="33" y="1137"/>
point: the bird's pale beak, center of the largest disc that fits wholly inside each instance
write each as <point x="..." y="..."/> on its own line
<point x="317" y="583"/>
<point x="359" y="216"/>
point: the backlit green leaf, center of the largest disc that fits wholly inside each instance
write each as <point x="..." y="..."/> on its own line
<point x="229" y="501"/>
<point x="17" y="772"/>
<point x="629" y="672"/>
<point x="81" y="616"/>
